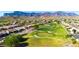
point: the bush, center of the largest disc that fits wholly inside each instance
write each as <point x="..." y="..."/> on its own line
<point x="74" y="41"/>
<point x="36" y="26"/>
<point x="12" y="40"/>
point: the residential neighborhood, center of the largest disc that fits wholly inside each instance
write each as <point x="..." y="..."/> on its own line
<point x="58" y="29"/>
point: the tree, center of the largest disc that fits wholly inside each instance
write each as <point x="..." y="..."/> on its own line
<point x="74" y="31"/>
<point x="12" y="40"/>
<point x="36" y="26"/>
<point x="74" y="41"/>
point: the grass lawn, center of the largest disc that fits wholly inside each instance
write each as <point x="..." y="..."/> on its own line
<point x="51" y="34"/>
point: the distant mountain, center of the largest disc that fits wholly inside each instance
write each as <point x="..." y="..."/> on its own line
<point x="61" y="13"/>
<point x="58" y="13"/>
<point x="20" y="13"/>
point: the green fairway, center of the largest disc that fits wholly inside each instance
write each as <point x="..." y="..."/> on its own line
<point x="51" y="34"/>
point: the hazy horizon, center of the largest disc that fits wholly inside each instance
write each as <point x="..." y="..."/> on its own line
<point x="2" y="12"/>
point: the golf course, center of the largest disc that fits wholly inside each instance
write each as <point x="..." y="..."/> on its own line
<point x="51" y="34"/>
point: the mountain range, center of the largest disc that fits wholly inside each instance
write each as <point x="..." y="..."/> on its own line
<point x="57" y="13"/>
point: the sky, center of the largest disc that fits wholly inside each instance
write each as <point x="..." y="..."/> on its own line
<point x="38" y="5"/>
